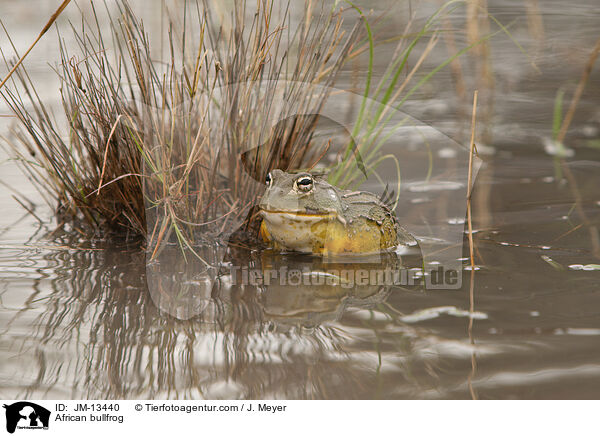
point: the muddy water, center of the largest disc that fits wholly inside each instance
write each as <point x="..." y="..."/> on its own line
<point x="78" y="319"/>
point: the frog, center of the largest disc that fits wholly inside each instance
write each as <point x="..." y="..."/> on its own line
<point x="304" y="213"/>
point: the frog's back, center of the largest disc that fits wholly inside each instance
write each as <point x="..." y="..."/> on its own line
<point x="368" y="206"/>
<point x="370" y="226"/>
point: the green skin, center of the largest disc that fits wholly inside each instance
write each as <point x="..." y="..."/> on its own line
<point x="290" y="212"/>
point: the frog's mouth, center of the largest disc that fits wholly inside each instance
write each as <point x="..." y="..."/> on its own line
<point x="279" y="216"/>
<point x="297" y="215"/>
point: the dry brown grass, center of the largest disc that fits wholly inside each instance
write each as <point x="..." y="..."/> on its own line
<point x="140" y="124"/>
<point x="175" y="142"/>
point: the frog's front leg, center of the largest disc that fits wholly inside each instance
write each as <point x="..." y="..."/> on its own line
<point x="263" y="232"/>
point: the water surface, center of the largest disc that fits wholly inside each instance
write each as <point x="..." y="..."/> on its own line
<point x="77" y="319"/>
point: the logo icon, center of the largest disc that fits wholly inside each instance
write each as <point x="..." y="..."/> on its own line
<point x="26" y="415"/>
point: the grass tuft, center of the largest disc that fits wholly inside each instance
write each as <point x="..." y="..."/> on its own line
<point x="165" y="132"/>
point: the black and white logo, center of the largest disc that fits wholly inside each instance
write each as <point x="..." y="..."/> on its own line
<point x="26" y="415"/>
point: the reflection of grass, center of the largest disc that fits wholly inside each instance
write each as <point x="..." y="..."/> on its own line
<point x="559" y="135"/>
<point x="115" y="343"/>
<point x="556" y="123"/>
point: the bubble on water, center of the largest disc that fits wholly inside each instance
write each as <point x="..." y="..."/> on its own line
<point x="555" y="148"/>
<point x="577" y="331"/>
<point x="488" y="150"/>
<point x="548" y="179"/>
<point x="583" y="331"/>
<point x="456" y="221"/>
<point x="418" y="272"/>
<point x="436" y="107"/>
<point x="590" y="131"/>
<point x="447" y="153"/>
<point x="223" y="389"/>
<point x="552" y="263"/>
<point x="435" y="186"/>
<point x="435" y="312"/>
<point x="534" y="313"/>
<point x="588" y="267"/>
<point x="420" y="200"/>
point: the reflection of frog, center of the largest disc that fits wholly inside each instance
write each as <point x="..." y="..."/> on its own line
<point x="302" y="212"/>
<point x="309" y="290"/>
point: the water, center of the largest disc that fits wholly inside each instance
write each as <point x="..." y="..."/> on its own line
<point x="78" y="319"/>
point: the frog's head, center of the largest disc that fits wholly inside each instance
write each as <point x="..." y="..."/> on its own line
<point x="299" y="197"/>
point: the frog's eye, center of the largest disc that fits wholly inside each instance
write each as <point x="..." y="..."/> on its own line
<point x="304" y="183"/>
<point x="268" y="180"/>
